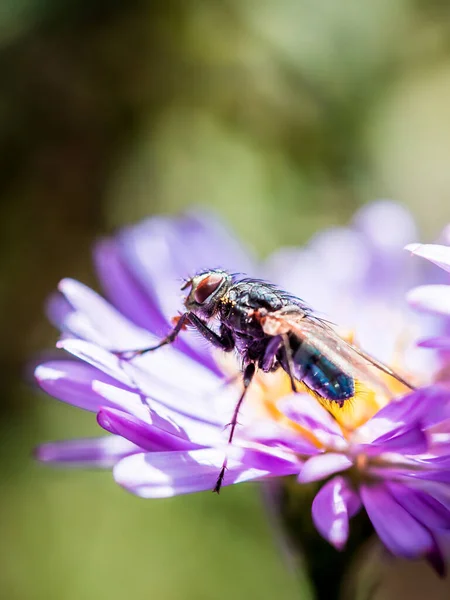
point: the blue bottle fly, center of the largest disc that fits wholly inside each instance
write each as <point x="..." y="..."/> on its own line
<point x="272" y="329"/>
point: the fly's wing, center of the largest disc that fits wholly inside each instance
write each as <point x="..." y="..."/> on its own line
<point x="351" y="360"/>
<point x="379" y="365"/>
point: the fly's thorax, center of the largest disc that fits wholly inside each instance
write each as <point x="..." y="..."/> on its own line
<point x="239" y="318"/>
<point x="207" y="290"/>
<point x="254" y="295"/>
<point x="240" y="308"/>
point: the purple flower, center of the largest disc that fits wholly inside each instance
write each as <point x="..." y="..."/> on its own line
<point x="166" y="411"/>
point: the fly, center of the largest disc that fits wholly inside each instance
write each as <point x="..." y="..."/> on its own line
<point x="272" y="329"/>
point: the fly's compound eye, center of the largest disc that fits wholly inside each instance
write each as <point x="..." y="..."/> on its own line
<point x="207" y="287"/>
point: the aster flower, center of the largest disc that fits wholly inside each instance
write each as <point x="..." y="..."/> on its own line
<point x="166" y="411"/>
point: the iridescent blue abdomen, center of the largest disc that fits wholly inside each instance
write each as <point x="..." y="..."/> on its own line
<point x="319" y="373"/>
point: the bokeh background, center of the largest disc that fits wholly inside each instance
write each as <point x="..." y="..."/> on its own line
<point x="283" y="116"/>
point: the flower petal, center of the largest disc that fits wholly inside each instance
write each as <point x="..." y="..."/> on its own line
<point x="333" y="505"/>
<point x="423" y="407"/>
<point x="99" y="358"/>
<point x="97" y="320"/>
<point x="436" y="253"/>
<point x="103" y="452"/>
<point x="307" y="412"/>
<point x="208" y="236"/>
<point x="148" y="437"/>
<point x="273" y="435"/>
<point x="324" y="465"/>
<point x="190" y="425"/>
<point x="426" y="509"/>
<point x="164" y="474"/>
<point x="438" y="491"/>
<point x="439" y="475"/>
<point x="196" y="384"/>
<point x="403" y="440"/>
<point x="441" y="342"/>
<point x="88" y="388"/>
<point x="431" y="298"/>
<point x="402" y="534"/>
<point x="58" y="309"/>
<point x="73" y="382"/>
<point x="439" y="438"/>
<point x="123" y="290"/>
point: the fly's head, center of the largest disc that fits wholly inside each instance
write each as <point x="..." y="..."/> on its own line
<point x="207" y="290"/>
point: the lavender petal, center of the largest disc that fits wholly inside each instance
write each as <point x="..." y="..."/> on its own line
<point x="320" y="467"/>
<point x="146" y="436"/>
<point x="273" y="435"/>
<point x="431" y="298"/>
<point x="436" y="253"/>
<point x="156" y="378"/>
<point x="438" y="475"/>
<point x="424" y="406"/>
<point x="124" y="291"/>
<point x="58" y="309"/>
<point x="91" y="388"/>
<point x="103" y="452"/>
<point x="402" y="534"/>
<point x="331" y="509"/>
<point x="307" y="412"/>
<point x="164" y="474"/>
<point x="439" y="491"/>
<point x="410" y="440"/>
<point x="438" y="343"/>
<point x="426" y="509"/>
<point x="98" y="357"/>
<point x="97" y="320"/>
<point x="190" y="425"/>
<point x="72" y="382"/>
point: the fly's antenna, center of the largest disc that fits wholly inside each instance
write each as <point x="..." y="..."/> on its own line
<point x="185" y="282"/>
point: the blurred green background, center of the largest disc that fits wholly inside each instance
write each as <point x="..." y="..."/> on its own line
<point x="283" y="116"/>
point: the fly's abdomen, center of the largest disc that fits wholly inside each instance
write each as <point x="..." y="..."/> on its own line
<point x="321" y="374"/>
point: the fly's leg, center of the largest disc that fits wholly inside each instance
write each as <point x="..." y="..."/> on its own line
<point x="224" y="341"/>
<point x="271" y="350"/>
<point x="169" y="339"/>
<point x="248" y="376"/>
<point x="290" y="369"/>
